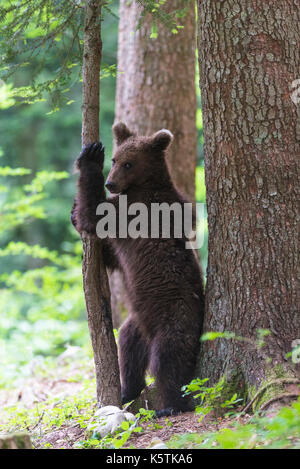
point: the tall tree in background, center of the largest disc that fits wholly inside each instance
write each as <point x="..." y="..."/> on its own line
<point x="156" y="89"/>
<point x="156" y="84"/>
<point x="249" y="56"/>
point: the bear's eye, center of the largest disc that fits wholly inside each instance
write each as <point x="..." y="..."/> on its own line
<point x="127" y="165"/>
<point x="112" y="162"/>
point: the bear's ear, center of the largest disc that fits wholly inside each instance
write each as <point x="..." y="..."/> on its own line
<point x="161" y="139"/>
<point x="121" y="132"/>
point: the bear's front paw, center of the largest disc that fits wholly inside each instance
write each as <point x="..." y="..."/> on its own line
<point x="94" y="152"/>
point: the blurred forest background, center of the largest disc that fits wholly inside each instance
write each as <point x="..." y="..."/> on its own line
<point x="42" y="309"/>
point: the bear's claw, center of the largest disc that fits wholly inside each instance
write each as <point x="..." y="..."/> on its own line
<point x="93" y="152"/>
<point x="168" y="411"/>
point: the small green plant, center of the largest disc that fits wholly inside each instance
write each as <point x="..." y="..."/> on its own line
<point x="258" y="342"/>
<point x="120" y="436"/>
<point x="210" y="398"/>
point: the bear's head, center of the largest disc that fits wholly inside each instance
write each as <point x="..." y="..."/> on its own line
<point x="137" y="160"/>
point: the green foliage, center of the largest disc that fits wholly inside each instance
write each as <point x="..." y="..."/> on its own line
<point x="199" y="117"/>
<point x="278" y="432"/>
<point x="32" y="32"/>
<point x="258" y="342"/>
<point x="200" y="185"/>
<point x="115" y="441"/>
<point x="6" y="99"/>
<point x="169" y="17"/>
<point x="53" y="413"/>
<point x="202" y="225"/>
<point x="41" y="309"/>
<point x="35" y="139"/>
<point x="22" y="207"/>
<point x="210" y="398"/>
<point x="32" y="29"/>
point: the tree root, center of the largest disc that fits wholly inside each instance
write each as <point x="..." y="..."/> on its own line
<point x="264" y="388"/>
<point x="278" y="398"/>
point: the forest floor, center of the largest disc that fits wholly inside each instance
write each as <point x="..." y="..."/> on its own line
<point x="55" y="402"/>
<point x="47" y="404"/>
<point x="160" y="431"/>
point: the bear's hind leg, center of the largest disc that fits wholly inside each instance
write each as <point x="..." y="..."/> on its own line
<point x="173" y="364"/>
<point x="133" y="359"/>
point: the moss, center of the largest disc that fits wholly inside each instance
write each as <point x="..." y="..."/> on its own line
<point x="233" y="383"/>
<point x="274" y="383"/>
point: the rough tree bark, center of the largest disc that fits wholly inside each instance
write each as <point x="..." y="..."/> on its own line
<point x="156" y="89"/>
<point x="96" y="287"/>
<point x="156" y="85"/>
<point x="249" y="55"/>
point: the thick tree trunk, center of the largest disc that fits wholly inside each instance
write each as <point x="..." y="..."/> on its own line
<point x="249" y="53"/>
<point x="96" y="287"/>
<point x="155" y="90"/>
<point x="156" y="85"/>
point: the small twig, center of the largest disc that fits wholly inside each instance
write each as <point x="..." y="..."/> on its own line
<point x="39" y="421"/>
<point x="278" y="398"/>
<point x="264" y="388"/>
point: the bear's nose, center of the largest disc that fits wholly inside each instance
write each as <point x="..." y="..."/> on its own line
<point x="110" y="185"/>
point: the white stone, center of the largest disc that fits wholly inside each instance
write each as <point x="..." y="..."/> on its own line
<point x="107" y="410"/>
<point x="107" y="419"/>
<point x="156" y="443"/>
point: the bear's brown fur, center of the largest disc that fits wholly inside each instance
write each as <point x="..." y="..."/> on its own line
<point x="162" y="278"/>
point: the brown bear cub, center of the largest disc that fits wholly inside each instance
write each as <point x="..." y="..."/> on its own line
<point x="163" y="279"/>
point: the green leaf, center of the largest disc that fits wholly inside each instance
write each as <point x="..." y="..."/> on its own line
<point x="125" y="425"/>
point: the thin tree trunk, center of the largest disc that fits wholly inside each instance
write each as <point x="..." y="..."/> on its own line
<point x="249" y="55"/>
<point x="156" y="89"/>
<point x="96" y="287"/>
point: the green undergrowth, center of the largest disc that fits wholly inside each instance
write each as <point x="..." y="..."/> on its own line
<point x="68" y="384"/>
<point x="211" y="399"/>
<point x="122" y="435"/>
<point x="55" y="414"/>
<point x="278" y="432"/>
<point x="52" y="413"/>
<point x="242" y="432"/>
<point x="60" y="412"/>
